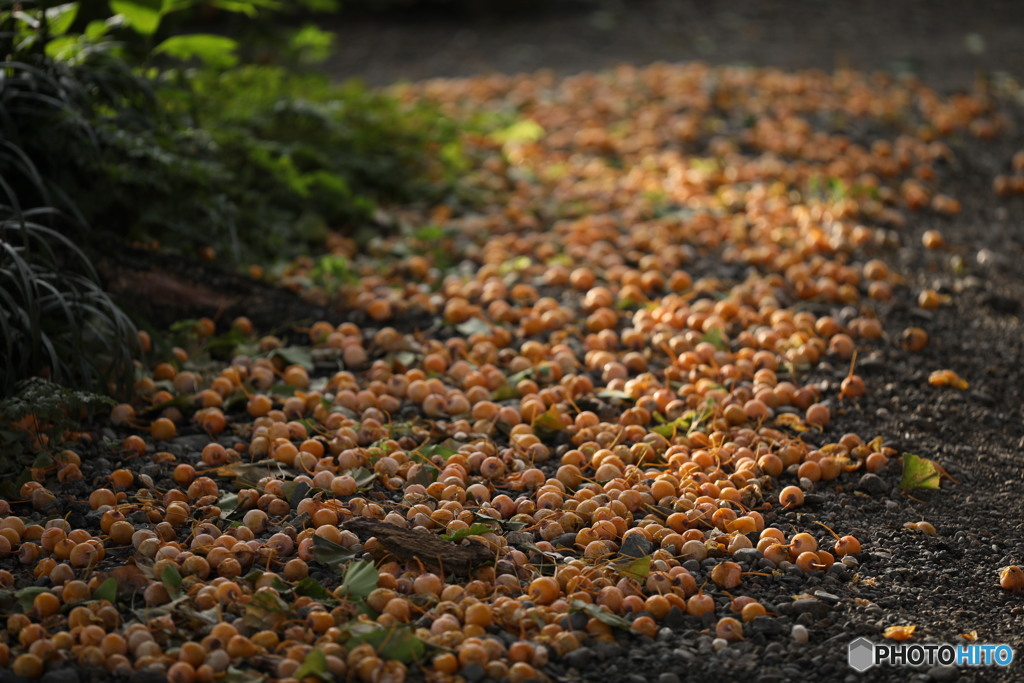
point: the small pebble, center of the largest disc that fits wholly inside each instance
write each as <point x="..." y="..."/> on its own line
<point x="944" y="673"/>
<point x="799" y="633"/>
<point x="719" y="644"/>
<point x="872" y="484"/>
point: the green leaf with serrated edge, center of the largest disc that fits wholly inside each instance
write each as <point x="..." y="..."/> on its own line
<point x="315" y="664"/>
<point x="920" y="473"/>
<point x="473" y="530"/>
<point x="360" y="579"/>
<point x="107" y="591"/>
<point x="329" y="553"/>
<point x="599" y="614"/>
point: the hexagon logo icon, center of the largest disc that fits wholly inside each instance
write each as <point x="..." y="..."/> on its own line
<point x="862" y="654"/>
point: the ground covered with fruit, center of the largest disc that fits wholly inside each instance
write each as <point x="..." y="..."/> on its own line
<point x="707" y="372"/>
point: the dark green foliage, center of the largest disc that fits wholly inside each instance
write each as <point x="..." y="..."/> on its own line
<point x="257" y="162"/>
<point x="34" y="423"/>
<point x="55" y="320"/>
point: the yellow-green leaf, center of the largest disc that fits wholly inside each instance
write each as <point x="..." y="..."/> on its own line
<point x="920" y="473"/>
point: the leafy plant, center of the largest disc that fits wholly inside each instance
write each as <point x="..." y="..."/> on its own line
<point x="36" y="420"/>
<point x="55" y="320"/>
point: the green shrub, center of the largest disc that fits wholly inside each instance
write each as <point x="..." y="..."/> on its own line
<point x="257" y="162"/>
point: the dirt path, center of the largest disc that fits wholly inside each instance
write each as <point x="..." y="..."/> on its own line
<point x="943" y="584"/>
<point x="944" y="42"/>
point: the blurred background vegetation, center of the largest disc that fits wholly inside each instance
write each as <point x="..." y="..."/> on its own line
<point x="192" y="127"/>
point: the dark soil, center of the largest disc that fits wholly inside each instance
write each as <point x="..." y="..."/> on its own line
<point x="946" y="584"/>
<point x="946" y="43"/>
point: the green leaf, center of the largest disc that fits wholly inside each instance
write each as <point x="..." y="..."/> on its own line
<point x="315" y="664"/>
<point x="60" y="18"/>
<point x="63" y="48"/>
<point x="716" y="338"/>
<point x="599" y="614"/>
<point x="507" y="525"/>
<point x="312" y="44"/>
<point x="214" y="51"/>
<point x="433" y="449"/>
<point x="243" y="676"/>
<point x="311" y="588"/>
<point x="637" y="568"/>
<point x="228" y="503"/>
<point x="26" y="595"/>
<point x="615" y="394"/>
<point x="920" y="473"/>
<point x="171" y="577"/>
<point x="525" y="130"/>
<point x="42" y="460"/>
<point x="142" y="15"/>
<point x="294" y="355"/>
<point x="95" y="30"/>
<point x="364" y="477"/>
<point x="360" y="579"/>
<point x="473" y="326"/>
<point x="514" y="265"/>
<point x="106" y="591"/>
<point x="473" y="530"/>
<point x="398" y="643"/>
<point x="295" y="492"/>
<point x="549" y="423"/>
<point x="329" y="553"/>
<point x="425" y="475"/>
<point x="515" y="379"/>
<point x="265" y="609"/>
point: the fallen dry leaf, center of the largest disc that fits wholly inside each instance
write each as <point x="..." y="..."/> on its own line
<point x="899" y="632"/>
